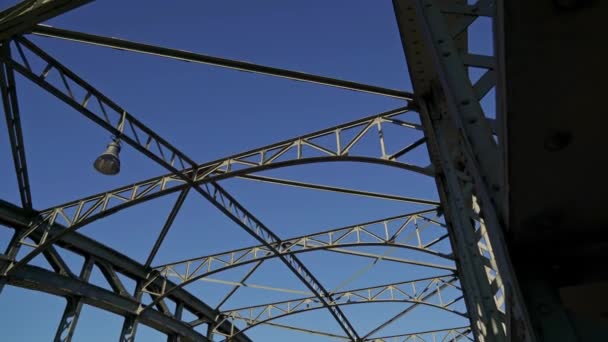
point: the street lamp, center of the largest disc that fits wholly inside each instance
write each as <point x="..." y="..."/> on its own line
<point x="108" y="163"/>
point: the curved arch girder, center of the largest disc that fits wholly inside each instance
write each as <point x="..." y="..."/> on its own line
<point x="450" y="334"/>
<point x="404" y="231"/>
<point x="18" y="218"/>
<point x="294" y="151"/>
<point x="415" y="292"/>
<point x="168" y="156"/>
<point x="39" y="279"/>
<point x="234" y="210"/>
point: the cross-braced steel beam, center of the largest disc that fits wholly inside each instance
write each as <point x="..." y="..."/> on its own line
<point x="465" y="154"/>
<point x="35" y="278"/>
<point x="407" y="310"/>
<point x="166" y="155"/>
<point x="239" y="215"/>
<point x="215" y="194"/>
<point x="299" y="150"/>
<point x="17" y="218"/>
<point x="400" y="231"/>
<point x="408" y="292"/>
<point x="10" y="103"/>
<point x="365" y="234"/>
<point x="69" y="320"/>
<point x="464" y="147"/>
<point x="451" y="334"/>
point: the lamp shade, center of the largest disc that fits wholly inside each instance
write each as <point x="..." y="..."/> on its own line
<point x="108" y="162"/>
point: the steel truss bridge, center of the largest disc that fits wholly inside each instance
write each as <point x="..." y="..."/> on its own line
<point x="472" y="232"/>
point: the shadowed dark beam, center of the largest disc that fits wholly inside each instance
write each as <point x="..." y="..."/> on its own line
<point x="17" y="218"/>
<point x="10" y="103"/>
<point x="39" y="279"/>
<point x="22" y="16"/>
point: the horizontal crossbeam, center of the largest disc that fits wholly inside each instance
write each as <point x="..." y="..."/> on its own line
<point x="122" y="44"/>
<point x="354" y="192"/>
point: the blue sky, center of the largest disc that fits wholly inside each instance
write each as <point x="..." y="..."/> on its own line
<point x="208" y="113"/>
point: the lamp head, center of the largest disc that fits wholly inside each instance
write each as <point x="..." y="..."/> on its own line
<point x="108" y="162"/>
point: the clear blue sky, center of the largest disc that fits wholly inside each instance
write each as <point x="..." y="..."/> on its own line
<point x="208" y="113"/>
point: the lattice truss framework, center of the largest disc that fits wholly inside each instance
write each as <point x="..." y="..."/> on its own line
<point x="469" y="273"/>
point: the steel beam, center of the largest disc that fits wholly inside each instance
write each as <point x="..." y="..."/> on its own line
<point x="455" y="132"/>
<point x="179" y="309"/>
<point x="450" y="334"/>
<point x="407" y="310"/>
<point x="253" y="226"/>
<point x="9" y="254"/>
<point x="216" y="195"/>
<point x="8" y="88"/>
<point x="303" y="330"/>
<point x="320" y="187"/>
<point x="168" y="224"/>
<point x="16" y="217"/>
<point x="409" y="292"/>
<point x="129" y="329"/>
<point x="71" y="314"/>
<point x="487" y="319"/>
<point x="240" y="283"/>
<point x="316" y="240"/>
<point x="39" y="279"/>
<point x="121" y="44"/>
<point x="166" y="155"/>
<point x="263" y="158"/>
<point x="24" y="15"/>
<point x="465" y="155"/>
<point x="373" y="233"/>
<point x="461" y="97"/>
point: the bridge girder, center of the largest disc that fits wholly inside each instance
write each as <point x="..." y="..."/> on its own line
<point x="459" y="138"/>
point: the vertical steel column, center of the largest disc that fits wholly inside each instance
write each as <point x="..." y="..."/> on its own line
<point x="129" y="325"/>
<point x="211" y="331"/>
<point x="179" y="309"/>
<point x="129" y="329"/>
<point x="69" y="320"/>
